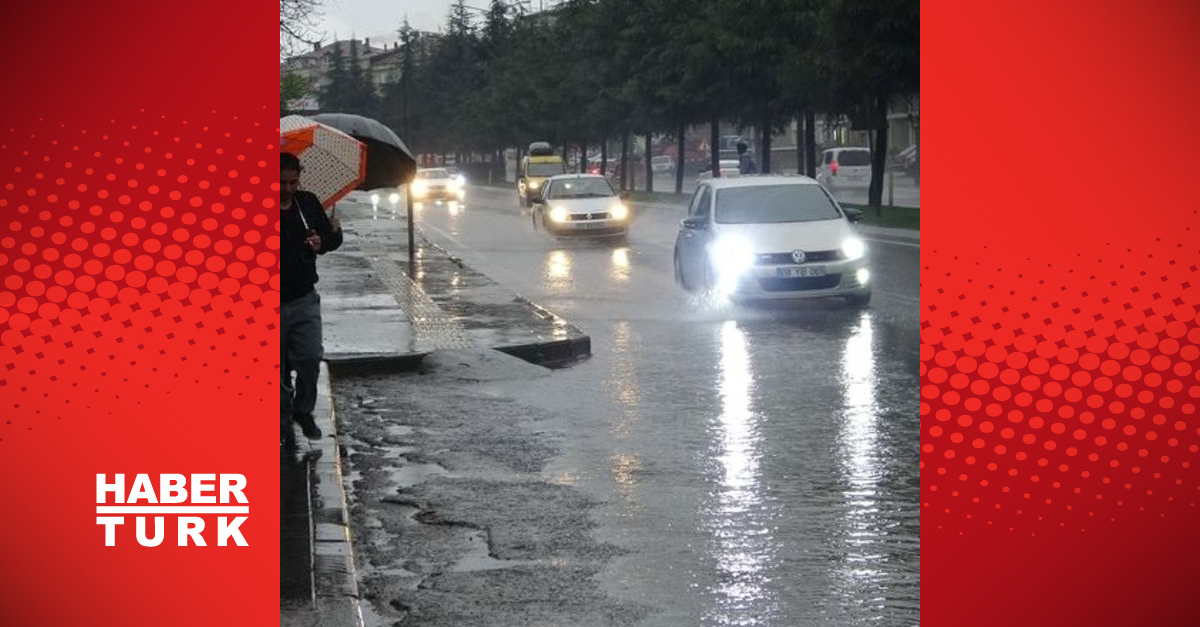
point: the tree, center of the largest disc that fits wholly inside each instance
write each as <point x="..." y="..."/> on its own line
<point x="333" y="93"/>
<point x="360" y="96"/>
<point x="291" y="87"/>
<point x="297" y="24"/>
<point x="874" y="59"/>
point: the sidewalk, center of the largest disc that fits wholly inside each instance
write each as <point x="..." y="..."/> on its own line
<point x="377" y="319"/>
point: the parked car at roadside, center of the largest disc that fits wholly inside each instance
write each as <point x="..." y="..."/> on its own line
<point x="845" y="167"/>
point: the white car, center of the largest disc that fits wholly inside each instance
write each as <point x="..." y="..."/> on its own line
<point x="662" y="163"/>
<point x="438" y="184"/>
<point x="845" y="167"/>
<point x="582" y="205"/>
<point x="771" y="237"/>
<point x="729" y="168"/>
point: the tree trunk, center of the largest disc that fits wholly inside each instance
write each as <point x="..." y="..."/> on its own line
<point x="766" y="142"/>
<point x="604" y="157"/>
<point x="649" y="167"/>
<point x="565" y="153"/>
<point x="878" y="156"/>
<point x="800" y="143"/>
<point x="624" y="160"/>
<point x="810" y="143"/>
<point x="714" y="147"/>
<point x="679" y="158"/>
<point x="583" y="162"/>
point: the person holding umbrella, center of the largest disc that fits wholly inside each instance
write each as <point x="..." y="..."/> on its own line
<point x="304" y="232"/>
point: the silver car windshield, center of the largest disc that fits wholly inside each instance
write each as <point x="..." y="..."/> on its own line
<point x="772" y="204"/>
<point x="581" y="188"/>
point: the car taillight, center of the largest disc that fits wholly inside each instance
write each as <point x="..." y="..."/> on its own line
<point x="833" y="167"/>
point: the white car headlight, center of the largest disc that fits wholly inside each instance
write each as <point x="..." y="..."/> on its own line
<point x="854" y="248"/>
<point x="619" y="212"/>
<point x="534" y="183"/>
<point x="863" y="275"/>
<point x="558" y="214"/>
<point x="462" y="180"/>
<point x="418" y="188"/>
<point x="731" y="257"/>
<point x="394" y="198"/>
<point x="374" y="199"/>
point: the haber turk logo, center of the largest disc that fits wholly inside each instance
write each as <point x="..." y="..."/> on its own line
<point x="191" y="501"/>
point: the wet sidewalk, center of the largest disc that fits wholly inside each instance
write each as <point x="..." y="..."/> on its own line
<point x="381" y="315"/>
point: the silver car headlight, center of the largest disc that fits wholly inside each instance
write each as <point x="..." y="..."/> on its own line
<point x="853" y="249"/>
<point x="619" y="212"/>
<point x="558" y="214"/>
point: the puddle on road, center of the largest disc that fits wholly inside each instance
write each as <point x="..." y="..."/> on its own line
<point x="477" y="558"/>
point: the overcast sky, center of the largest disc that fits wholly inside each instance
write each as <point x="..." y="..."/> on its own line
<point x="380" y="19"/>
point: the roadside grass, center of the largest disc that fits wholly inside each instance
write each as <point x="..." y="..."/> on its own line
<point x="890" y="217"/>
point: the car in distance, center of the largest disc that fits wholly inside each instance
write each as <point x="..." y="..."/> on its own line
<point x="540" y="164"/>
<point x="728" y="168"/>
<point x="842" y="168"/>
<point x="771" y="238"/>
<point x="433" y="184"/>
<point x="580" y="205"/>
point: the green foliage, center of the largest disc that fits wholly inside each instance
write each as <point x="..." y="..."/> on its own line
<point x="591" y="70"/>
<point x="291" y="87"/>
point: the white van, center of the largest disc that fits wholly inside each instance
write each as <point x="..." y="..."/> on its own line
<point x="845" y="167"/>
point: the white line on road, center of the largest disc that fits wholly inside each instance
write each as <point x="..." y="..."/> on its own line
<point x="893" y="242"/>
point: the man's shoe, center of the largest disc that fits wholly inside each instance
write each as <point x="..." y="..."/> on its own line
<point x="308" y="426"/>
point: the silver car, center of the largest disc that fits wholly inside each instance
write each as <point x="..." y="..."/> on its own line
<point x="580" y="205"/>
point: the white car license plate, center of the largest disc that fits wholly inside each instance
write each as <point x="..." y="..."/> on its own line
<point x="592" y="225"/>
<point x="799" y="271"/>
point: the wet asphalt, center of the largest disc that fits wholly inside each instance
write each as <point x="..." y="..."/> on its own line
<point x="710" y="464"/>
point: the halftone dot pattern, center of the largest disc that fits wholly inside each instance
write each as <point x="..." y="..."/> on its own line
<point x="1061" y="398"/>
<point x="126" y="274"/>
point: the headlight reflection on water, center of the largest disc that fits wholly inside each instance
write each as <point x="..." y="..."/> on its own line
<point x="742" y="535"/>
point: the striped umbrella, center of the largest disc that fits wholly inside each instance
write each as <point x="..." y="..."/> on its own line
<point x="334" y="163"/>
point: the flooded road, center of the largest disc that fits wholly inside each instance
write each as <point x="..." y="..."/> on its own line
<point x="710" y="464"/>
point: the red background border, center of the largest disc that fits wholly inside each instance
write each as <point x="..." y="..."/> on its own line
<point x="137" y="311"/>
<point x="1058" y="307"/>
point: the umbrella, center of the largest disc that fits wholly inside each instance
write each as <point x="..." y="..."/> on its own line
<point x="389" y="162"/>
<point x="334" y="162"/>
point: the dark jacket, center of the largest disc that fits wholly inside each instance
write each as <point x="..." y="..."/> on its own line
<point x="297" y="261"/>
<point x="746" y="164"/>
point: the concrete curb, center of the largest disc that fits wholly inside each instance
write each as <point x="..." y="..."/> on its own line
<point x="336" y="602"/>
<point x="352" y="365"/>
<point x="552" y="354"/>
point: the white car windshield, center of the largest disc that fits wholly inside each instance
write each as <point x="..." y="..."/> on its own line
<point x="581" y="188"/>
<point x="774" y="203"/>
<point x="854" y="158"/>
<point x="433" y="174"/>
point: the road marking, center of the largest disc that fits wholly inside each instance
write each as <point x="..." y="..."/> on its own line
<point x="900" y="297"/>
<point x="893" y="242"/>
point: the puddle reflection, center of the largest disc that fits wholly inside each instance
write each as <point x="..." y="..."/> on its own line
<point x="743" y="539"/>
<point x="620" y="265"/>
<point x="858" y="457"/>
